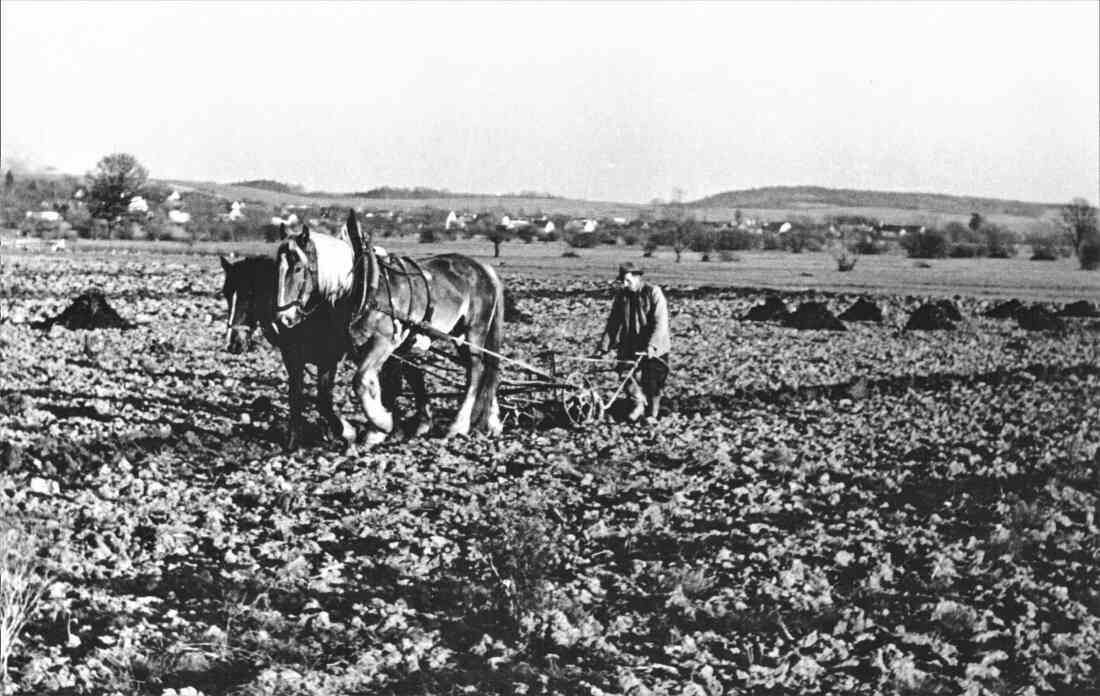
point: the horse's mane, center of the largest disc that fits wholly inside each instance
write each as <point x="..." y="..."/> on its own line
<point x="334" y="265"/>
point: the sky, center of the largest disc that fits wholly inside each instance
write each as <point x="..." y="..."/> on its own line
<point x="618" y="101"/>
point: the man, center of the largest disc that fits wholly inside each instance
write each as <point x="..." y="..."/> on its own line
<point x="638" y="327"/>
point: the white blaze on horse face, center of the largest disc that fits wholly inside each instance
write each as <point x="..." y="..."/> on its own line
<point x="229" y="321"/>
<point x="286" y="315"/>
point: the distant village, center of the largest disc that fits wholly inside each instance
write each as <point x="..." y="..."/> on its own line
<point x="175" y="214"/>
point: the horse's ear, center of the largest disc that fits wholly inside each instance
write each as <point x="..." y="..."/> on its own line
<point x="352" y="221"/>
<point x="303" y="237"/>
<point x="282" y="230"/>
<point x="226" y="264"/>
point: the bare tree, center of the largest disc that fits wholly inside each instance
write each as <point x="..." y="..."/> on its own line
<point x="1080" y="220"/>
<point x="115" y="180"/>
<point x="498" y="235"/>
<point x="976" y="222"/>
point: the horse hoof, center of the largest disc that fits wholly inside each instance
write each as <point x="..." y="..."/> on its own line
<point x="375" y="437"/>
<point x="347" y="430"/>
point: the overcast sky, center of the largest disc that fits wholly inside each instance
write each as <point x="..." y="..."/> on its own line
<point x="618" y="101"/>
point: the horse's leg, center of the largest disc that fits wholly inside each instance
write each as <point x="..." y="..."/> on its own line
<point x="484" y="382"/>
<point x="474" y="370"/>
<point x="335" y="425"/>
<point x="390" y="380"/>
<point x="295" y="371"/>
<point x="423" y="420"/>
<point x="368" y="389"/>
<point x="495" y="424"/>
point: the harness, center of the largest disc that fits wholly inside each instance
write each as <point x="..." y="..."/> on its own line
<point x="405" y="267"/>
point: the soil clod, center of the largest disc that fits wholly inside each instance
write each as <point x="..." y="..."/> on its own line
<point x="773" y="309"/>
<point x="1005" y="310"/>
<point x="1039" y="318"/>
<point x="88" y="311"/>
<point x="931" y="317"/>
<point x="862" y="310"/>
<point x="813" y="316"/>
<point x="1080" y="308"/>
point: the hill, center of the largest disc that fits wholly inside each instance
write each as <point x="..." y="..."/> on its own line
<point x="813" y="198"/>
<point x="400" y="199"/>
<point x="771" y="203"/>
<point x="270" y="185"/>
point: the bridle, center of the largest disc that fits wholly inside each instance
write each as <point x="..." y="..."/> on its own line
<point x="307" y="302"/>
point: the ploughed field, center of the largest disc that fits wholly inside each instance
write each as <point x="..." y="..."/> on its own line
<point x="866" y="511"/>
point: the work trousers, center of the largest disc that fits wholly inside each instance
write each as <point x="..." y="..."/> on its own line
<point x="648" y="380"/>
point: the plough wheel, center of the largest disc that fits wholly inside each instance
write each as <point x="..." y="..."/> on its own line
<point x="580" y="400"/>
<point x="519" y="415"/>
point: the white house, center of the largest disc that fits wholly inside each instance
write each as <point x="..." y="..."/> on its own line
<point x="179" y="217"/>
<point x="289" y="220"/>
<point x="44" y="215"/>
<point x="138" y="205"/>
<point x="517" y="224"/>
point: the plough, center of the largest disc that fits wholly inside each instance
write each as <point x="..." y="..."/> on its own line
<point x="541" y="393"/>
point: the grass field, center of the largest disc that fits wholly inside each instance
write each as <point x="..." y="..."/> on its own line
<point x="877" y="275"/>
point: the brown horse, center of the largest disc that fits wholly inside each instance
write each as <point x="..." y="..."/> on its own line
<point x="393" y="302"/>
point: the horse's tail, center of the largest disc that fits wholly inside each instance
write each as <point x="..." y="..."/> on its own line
<point x="494" y="344"/>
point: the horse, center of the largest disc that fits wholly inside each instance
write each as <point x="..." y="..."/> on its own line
<point x="390" y="303"/>
<point x="249" y="291"/>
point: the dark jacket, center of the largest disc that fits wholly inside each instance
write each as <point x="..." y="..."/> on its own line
<point x="637" y="321"/>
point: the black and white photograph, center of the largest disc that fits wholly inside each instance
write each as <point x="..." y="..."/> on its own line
<point x="613" y="348"/>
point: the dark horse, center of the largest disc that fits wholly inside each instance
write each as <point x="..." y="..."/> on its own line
<point x="249" y="290"/>
<point x="390" y="303"/>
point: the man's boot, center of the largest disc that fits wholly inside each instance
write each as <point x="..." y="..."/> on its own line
<point x="634" y="393"/>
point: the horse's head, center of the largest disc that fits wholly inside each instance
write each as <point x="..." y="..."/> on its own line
<point x="296" y="291"/>
<point x="240" y="295"/>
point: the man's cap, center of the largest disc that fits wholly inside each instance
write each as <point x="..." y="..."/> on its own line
<point x="629" y="267"/>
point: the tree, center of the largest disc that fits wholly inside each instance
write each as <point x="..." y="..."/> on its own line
<point x="976" y="221"/>
<point x="116" y="179"/>
<point x="682" y="233"/>
<point x="9" y="180"/>
<point x="1080" y="220"/>
<point x="498" y="235"/>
